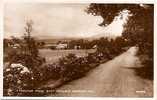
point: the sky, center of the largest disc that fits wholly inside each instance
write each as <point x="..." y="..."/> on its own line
<point x="60" y="20"/>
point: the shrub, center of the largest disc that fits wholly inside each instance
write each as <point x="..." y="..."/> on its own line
<point x="50" y="71"/>
<point x="16" y="77"/>
<point x="73" y="67"/>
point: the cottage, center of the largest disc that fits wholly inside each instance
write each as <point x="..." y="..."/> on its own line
<point x="94" y="47"/>
<point x="15" y="46"/>
<point x="62" y="46"/>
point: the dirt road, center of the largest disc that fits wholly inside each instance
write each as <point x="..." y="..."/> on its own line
<point x="114" y="78"/>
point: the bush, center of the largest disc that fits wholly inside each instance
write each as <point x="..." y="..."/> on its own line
<point x="145" y="54"/>
<point x="50" y="71"/>
<point x="147" y="71"/>
<point x="16" y="77"/>
<point x="72" y="67"/>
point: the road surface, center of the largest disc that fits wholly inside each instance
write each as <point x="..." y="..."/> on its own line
<point x="114" y="78"/>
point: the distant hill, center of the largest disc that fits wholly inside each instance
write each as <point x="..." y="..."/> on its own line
<point x="55" y="39"/>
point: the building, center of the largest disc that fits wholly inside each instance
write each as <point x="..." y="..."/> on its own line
<point x="62" y="46"/>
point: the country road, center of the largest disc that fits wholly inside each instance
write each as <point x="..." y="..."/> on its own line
<point x="113" y="78"/>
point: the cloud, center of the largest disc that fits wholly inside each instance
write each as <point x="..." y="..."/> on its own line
<point x="66" y="20"/>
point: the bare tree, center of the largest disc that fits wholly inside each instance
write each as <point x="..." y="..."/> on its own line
<point x="31" y="48"/>
<point x="28" y="28"/>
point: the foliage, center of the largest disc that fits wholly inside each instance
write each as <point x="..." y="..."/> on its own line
<point x="16" y="79"/>
<point x="138" y="30"/>
<point x="26" y="54"/>
<point x="73" y="67"/>
<point x="84" y="44"/>
<point x="111" y="47"/>
<point x="50" y="71"/>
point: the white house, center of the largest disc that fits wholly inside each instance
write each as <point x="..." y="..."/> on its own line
<point x="95" y="47"/>
<point x="62" y="46"/>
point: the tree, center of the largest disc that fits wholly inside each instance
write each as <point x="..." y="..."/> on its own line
<point x="138" y="30"/>
<point x="31" y="48"/>
<point x="28" y="28"/>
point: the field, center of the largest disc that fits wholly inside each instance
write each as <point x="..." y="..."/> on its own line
<point x="53" y="55"/>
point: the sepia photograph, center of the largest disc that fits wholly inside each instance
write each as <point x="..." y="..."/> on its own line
<point x="78" y="50"/>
